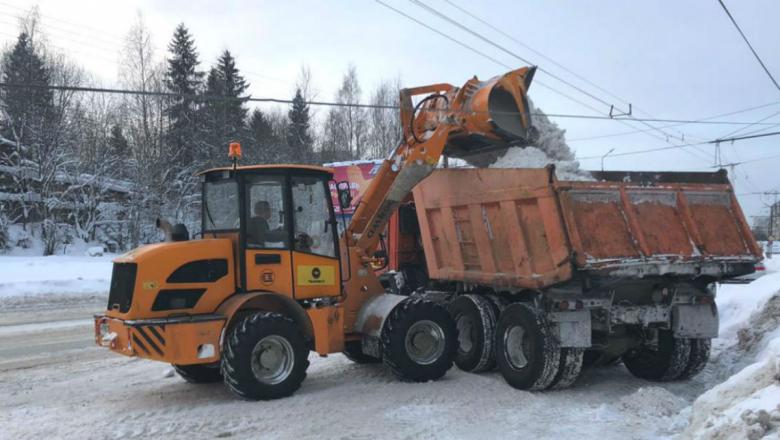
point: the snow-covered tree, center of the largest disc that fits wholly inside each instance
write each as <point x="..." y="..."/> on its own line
<point x="299" y="139"/>
<point x="183" y="78"/>
<point x="384" y="131"/>
<point x="224" y="119"/>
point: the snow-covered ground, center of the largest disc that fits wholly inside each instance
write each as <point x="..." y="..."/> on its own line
<point x="56" y="385"/>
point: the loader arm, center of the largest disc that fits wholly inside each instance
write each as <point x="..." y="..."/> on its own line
<point x="480" y="116"/>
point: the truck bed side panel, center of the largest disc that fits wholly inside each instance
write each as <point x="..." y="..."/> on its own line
<point x="489" y="226"/>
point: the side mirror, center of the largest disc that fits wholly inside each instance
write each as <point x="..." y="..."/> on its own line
<point x="344" y="194"/>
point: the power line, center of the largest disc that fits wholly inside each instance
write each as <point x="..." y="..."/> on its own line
<point x="709" y="118"/>
<point x="749" y="45"/>
<point x="511" y="53"/>
<point x="561" y="66"/>
<point x="732" y="139"/>
<point x="356" y="105"/>
<point x="483" y="54"/>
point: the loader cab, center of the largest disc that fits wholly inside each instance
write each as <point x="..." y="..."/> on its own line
<point x="281" y="221"/>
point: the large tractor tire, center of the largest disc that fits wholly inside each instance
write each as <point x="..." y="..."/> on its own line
<point x="527" y="352"/>
<point x="353" y="350"/>
<point x="569" y="369"/>
<point x="419" y="340"/>
<point x="475" y="317"/>
<point x="200" y="373"/>
<point x="700" y="354"/>
<point x="265" y="357"/>
<point x="662" y="362"/>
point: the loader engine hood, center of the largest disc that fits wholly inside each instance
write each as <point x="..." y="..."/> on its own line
<point x="172" y="278"/>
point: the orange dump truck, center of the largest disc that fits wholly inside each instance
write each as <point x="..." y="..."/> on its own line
<point x="543" y="275"/>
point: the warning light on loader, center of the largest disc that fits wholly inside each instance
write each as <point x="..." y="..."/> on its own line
<point x="234" y="153"/>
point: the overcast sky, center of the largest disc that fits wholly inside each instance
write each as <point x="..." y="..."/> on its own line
<point x="670" y="59"/>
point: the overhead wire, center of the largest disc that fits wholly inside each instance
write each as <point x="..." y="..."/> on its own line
<point x="755" y="54"/>
<point x="346" y="104"/>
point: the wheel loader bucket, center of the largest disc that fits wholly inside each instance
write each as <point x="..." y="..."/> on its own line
<point x="496" y="114"/>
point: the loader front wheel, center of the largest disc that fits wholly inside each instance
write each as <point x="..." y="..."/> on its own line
<point x="265" y="357"/>
<point x="527" y="352"/>
<point x="199" y="373"/>
<point x="661" y="362"/>
<point x="475" y="318"/>
<point x="419" y="340"/>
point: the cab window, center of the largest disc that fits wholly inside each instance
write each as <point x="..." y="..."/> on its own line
<point x="313" y="224"/>
<point x="266" y="225"/>
<point x="220" y="205"/>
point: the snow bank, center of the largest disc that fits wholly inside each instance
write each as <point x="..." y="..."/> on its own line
<point x="745" y="368"/>
<point x="57" y="275"/>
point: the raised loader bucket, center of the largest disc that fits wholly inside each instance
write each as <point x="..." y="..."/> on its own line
<point x="497" y="115"/>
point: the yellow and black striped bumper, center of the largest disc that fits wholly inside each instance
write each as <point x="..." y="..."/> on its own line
<point x="181" y="340"/>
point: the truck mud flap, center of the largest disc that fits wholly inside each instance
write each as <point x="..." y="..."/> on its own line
<point x="573" y="328"/>
<point x="695" y="321"/>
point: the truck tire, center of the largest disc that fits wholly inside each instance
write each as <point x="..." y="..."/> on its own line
<point x="419" y="340"/>
<point x="569" y="369"/>
<point x="700" y="354"/>
<point x="527" y="352"/>
<point x="475" y="317"/>
<point x="663" y="363"/>
<point x="265" y="357"/>
<point x="199" y="373"/>
<point x="353" y="350"/>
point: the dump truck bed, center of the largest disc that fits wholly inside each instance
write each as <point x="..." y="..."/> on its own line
<point x="522" y="228"/>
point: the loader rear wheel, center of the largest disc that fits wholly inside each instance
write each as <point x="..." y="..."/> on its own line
<point x="353" y="350"/>
<point x="199" y="373"/>
<point x="660" y="362"/>
<point x="569" y="369"/>
<point x="527" y="352"/>
<point x="265" y="357"/>
<point x="700" y="354"/>
<point x="475" y="318"/>
<point x="419" y="340"/>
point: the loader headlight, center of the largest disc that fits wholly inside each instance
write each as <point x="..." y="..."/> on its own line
<point x="103" y="329"/>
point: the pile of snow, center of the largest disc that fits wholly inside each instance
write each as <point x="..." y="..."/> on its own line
<point x="745" y="367"/>
<point x="23" y="276"/>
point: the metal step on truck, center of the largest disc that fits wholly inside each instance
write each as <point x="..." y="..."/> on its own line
<point x="543" y="276"/>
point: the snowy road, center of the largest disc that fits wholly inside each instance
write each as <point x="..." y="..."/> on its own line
<point x="56" y="384"/>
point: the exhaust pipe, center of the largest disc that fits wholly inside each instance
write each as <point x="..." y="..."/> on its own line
<point x="177" y="232"/>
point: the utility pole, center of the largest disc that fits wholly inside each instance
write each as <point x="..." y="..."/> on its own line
<point x="774" y="215"/>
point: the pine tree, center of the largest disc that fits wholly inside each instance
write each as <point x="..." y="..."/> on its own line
<point x="225" y="119"/>
<point x="117" y="142"/>
<point x="184" y="78"/>
<point x="298" y="136"/>
<point x="265" y="144"/>
<point x="27" y="107"/>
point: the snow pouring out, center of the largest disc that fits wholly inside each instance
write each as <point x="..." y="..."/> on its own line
<point x="550" y="148"/>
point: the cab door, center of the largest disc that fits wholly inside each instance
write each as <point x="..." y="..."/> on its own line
<point x="266" y="234"/>
<point x="316" y="268"/>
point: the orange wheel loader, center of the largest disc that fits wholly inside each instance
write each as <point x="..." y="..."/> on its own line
<point x="270" y="278"/>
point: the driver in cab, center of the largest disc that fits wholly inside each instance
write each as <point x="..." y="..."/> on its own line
<point x="258" y="230"/>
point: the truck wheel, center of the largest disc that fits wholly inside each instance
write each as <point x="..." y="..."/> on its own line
<point x="199" y="373"/>
<point x="569" y="369"/>
<point x="667" y="361"/>
<point x="475" y="318"/>
<point x="527" y="353"/>
<point x="353" y="350"/>
<point x="419" y="340"/>
<point x="265" y="357"/>
<point x="700" y="354"/>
